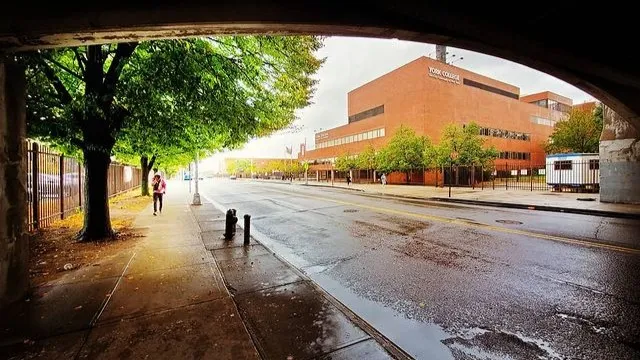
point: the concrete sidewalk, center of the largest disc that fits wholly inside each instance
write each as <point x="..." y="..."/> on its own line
<point x="543" y="200"/>
<point x="167" y="298"/>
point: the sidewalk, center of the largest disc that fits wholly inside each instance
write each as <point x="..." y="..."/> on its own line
<point x="167" y="298"/>
<point x="540" y="200"/>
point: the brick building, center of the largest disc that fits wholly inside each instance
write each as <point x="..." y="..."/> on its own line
<point x="426" y="95"/>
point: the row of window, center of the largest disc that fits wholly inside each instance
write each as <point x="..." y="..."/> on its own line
<point x="542" y="121"/>
<point x="368" y="135"/>
<point x="367" y="114"/>
<point x="594" y="164"/>
<point x="515" y="155"/>
<point x="506" y="134"/>
<point x="553" y="105"/>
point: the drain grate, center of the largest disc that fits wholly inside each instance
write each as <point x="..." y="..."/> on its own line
<point x="350" y="210"/>
<point x="510" y="222"/>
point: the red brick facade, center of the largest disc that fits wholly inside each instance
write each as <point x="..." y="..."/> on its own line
<point x="427" y="95"/>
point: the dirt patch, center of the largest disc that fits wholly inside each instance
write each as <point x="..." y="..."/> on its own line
<point x="54" y="251"/>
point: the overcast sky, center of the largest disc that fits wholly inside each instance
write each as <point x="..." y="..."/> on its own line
<point x="351" y="62"/>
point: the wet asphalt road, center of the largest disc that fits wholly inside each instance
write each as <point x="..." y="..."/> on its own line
<point x="449" y="281"/>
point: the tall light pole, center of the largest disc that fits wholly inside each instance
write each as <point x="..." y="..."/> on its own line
<point x="196" y="195"/>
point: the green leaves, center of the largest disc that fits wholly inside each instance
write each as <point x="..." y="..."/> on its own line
<point x="404" y="152"/>
<point x="461" y="146"/>
<point x="580" y="132"/>
<point x="346" y="162"/>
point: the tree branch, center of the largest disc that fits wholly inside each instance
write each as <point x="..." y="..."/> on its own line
<point x="58" y="64"/>
<point x="152" y="162"/>
<point x="61" y="90"/>
<point x="81" y="60"/>
<point x="123" y="52"/>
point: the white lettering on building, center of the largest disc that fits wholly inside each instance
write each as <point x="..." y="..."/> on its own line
<point x="444" y="75"/>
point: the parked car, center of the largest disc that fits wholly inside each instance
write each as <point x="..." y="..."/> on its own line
<point x="232" y="177"/>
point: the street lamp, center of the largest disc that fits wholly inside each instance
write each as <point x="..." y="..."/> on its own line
<point x="452" y="157"/>
<point x="196" y="195"/>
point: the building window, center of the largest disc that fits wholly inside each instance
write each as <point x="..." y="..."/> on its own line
<point x="542" y="121"/>
<point x="562" y="165"/>
<point x="367" y="114"/>
<point x="490" y="88"/>
<point x="505" y="134"/>
<point x="514" y="155"/>
<point x="594" y="164"/>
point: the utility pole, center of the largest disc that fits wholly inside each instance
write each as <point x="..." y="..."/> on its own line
<point x="196" y="194"/>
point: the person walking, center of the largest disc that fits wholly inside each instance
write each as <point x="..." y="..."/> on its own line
<point x="383" y="179"/>
<point x="159" y="189"/>
<point x="348" y="179"/>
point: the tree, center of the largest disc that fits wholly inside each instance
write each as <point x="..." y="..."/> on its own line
<point x="580" y="132"/>
<point x="346" y="162"/>
<point x="461" y="146"/>
<point x="71" y="100"/>
<point x="164" y="98"/>
<point x="367" y="159"/>
<point x="244" y="79"/>
<point x="404" y="153"/>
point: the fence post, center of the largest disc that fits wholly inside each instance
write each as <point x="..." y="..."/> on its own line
<point x="35" y="184"/>
<point x="482" y="178"/>
<point x="473" y="177"/>
<point x="80" y="192"/>
<point x="531" y="175"/>
<point x="508" y="173"/>
<point x="61" y="189"/>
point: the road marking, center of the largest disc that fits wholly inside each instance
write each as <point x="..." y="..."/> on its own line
<point x="476" y="225"/>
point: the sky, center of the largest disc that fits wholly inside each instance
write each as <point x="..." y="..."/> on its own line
<point x="351" y="62"/>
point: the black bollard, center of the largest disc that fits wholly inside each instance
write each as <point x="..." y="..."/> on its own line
<point x="247" y="228"/>
<point x="230" y="224"/>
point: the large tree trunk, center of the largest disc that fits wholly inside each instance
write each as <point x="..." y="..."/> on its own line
<point x="146" y="166"/>
<point x="97" y="223"/>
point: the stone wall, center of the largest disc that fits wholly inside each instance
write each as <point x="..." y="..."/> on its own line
<point x="619" y="160"/>
<point x="14" y="247"/>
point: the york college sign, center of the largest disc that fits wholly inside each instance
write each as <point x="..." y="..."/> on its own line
<point x="444" y="75"/>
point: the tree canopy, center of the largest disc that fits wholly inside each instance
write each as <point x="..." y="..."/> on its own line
<point x="159" y="100"/>
<point x="461" y="145"/>
<point x="405" y="152"/>
<point x="346" y="162"/>
<point x="580" y="132"/>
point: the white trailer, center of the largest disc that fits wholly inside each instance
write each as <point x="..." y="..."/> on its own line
<point x="573" y="171"/>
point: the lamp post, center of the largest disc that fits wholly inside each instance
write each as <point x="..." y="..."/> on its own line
<point x="452" y="157"/>
<point x="196" y="194"/>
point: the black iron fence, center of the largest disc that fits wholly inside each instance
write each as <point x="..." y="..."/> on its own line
<point x="55" y="184"/>
<point x="562" y="175"/>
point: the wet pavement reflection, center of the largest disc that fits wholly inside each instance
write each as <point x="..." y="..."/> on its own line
<point x="464" y="288"/>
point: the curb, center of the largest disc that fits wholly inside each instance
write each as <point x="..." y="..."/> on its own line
<point x="591" y="212"/>
<point x="603" y="213"/>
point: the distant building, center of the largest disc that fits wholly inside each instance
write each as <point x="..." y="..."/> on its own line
<point x="427" y="95"/>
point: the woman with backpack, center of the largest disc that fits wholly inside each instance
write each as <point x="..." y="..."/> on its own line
<point x="159" y="189"/>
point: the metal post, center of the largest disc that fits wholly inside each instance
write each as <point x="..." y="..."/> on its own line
<point x="506" y="182"/>
<point x="436" y="171"/>
<point x="493" y="178"/>
<point x="531" y="176"/>
<point x="482" y="178"/>
<point x="190" y="178"/>
<point x="61" y="185"/>
<point x="196" y="194"/>
<point x="35" y="184"/>
<point x="247" y="228"/>
<point x="450" y="177"/>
